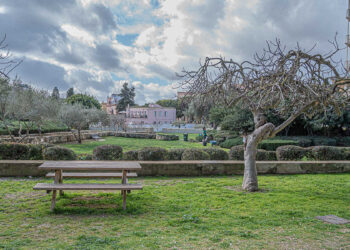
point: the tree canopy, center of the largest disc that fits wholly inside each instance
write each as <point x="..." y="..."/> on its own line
<point x="127" y="97"/>
<point x="86" y="101"/>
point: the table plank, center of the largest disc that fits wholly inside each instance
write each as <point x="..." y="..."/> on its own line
<point x="92" y="175"/>
<point x="88" y="186"/>
<point x="90" y="165"/>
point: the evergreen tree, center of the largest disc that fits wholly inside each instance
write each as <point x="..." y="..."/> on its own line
<point x="55" y="93"/>
<point x="127" y="97"/>
<point x="70" y="92"/>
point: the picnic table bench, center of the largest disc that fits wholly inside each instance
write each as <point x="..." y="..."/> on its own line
<point x="59" y="166"/>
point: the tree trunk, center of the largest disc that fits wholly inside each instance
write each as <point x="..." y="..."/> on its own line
<point x="250" y="179"/>
<point x="79" y="136"/>
<point x="262" y="131"/>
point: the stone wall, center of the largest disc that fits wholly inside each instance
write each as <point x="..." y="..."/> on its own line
<point x="136" y="135"/>
<point x="182" y="130"/>
<point x="59" y="137"/>
<point x="196" y="168"/>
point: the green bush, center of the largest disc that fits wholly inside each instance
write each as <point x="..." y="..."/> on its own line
<point x="107" y="152"/>
<point x="132" y="155"/>
<point x="229" y="143"/>
<point x="216" y="153"/>
<point x="323" y="141"/>
<point x="263" y="155"/>
<point x="85" y="157"/>
<point x="175" y="154"/>
<point x="304" y="142"/>
<point x="343" y="141"/>
<point x="152" y="154"/>
<point x="326" y="153"/>
<point x="57" y="153"/>
<point x="194" y="154"/>
<point x="14" y="151"/>
<point x="237" y="153"/>
<point x="199" y="138"/>
<point x="272" y="145"/>
<point x="292" y="153"/>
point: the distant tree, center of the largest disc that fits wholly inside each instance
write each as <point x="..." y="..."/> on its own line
<point x="117" y="122"/>
<point x="217" y="115"/>
<point x="77" y="117"/>
<point x="86" y="101"/>
<point x="127" y="97"/>
<point x="173" y="103"/>
<point x="70" y="92"/>
<point x="239" y="120"/>
<point x="55" y="93"/>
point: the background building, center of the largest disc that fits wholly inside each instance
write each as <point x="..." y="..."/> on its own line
<point x="153" y="114"/>
<point x="111" y="105"/>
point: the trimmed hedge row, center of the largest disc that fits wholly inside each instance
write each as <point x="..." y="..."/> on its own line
<point x="237" y="153"/>
<point x="18" y="151"/>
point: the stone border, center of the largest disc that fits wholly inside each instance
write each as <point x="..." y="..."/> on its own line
<point x="10" y="168"/>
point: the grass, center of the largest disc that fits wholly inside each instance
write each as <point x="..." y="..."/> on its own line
<point x="169" y="213"/>
<point x="133" y="144"/>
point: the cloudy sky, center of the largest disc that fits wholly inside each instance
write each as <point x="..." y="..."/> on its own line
<point x="96" y="45"/>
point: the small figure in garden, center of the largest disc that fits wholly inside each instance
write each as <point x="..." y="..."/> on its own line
<point x="204" y="137"/>
<point x="245" y="134"/>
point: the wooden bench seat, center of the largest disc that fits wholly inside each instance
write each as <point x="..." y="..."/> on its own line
<point x="88" y="186"/>
<point x="92" y="175"/>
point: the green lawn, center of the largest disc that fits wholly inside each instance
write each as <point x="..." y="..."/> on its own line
<point x="169" y="213"/>
<point x="132" y="144"/>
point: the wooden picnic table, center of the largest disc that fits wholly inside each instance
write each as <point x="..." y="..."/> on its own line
<point x="92" y="166"/>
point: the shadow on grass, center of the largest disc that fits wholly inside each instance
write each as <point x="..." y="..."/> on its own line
<point x="101" y="204"/>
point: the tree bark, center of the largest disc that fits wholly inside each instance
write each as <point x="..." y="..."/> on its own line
<point x="262" y="131"/>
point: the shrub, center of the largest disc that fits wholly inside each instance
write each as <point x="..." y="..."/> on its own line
<point x="175" y="154"/>
<point x="152" y="154"/>
<point x="323" y="141"/>
<point x="85" y="157"/>
<point x="229" y="143"/>
<point x="237" y="153"/>
<point x="290" y="153"/>
<point x="263" y="155"/>
<point x="343" y="141"/>
<point x="304" y="142"/>
<point x="325" y="153"/>
<point x="195" y="154"/>
<point x="14" y="151"/>
<point x="131" y="155"/>
<point x="58" y="153"/>
<point x="36" y="151"/>
<point x="216" y="153"/>
<point x="199" y="138"/>
<point x="107" y="152"/>
<point x="272" y="145"/>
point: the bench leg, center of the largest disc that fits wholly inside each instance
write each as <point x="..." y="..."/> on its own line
<point x="124" y="199"/>
<point x="53" y="200"/>
<point x="60" y="181"/>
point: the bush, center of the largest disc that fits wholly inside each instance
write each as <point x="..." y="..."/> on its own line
<point x="291" y="153"/>
<point x="14" y="151"/>
<point x="152" y="154"/>
<point x="107" y="152"/>
<point x="272" y="145"/>
<point x="131" y="155"/>
<point x="199" y="138"/>
<point x="85" y="157"/>
<point x="57" y="153"/>
<point x="194" y="154"/>
<point x="237" y="153"/>
<point x="304" y="142"/>
<point x="229" y="143"/>
<point x="343" y="141"/>
<point x="326" y="153"/>
<point x="263" y="155"/>
<point x="216" y="153"/>
<point x="323" y="141"/>
<point x="175" y="154"/>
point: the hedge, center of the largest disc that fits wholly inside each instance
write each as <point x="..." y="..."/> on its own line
<point x="263" y="155"/>
<point x="131" y="155"/>
<point x="175" y="154"/>
<point x="237" y="153"/>
<point x="272" y="145"/>
<point x="19" y="151"/>
<point x="194" y="154"/>
<point x="229" y="143"/>
<point x="324" y="153"/>
<point x="290" y="153"/>
<point x="108" y="152"/>
<point x="59" y="154"/>
<point x="216" y="153"/>
<point x="152" y="154"/>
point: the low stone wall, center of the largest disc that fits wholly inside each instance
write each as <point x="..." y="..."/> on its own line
<point x="196" y="168"/>
<point x="167" y="137"/>
<point x="136" y="135"/>
<point x="59" y="137"/>
<point x="182" y="130"/>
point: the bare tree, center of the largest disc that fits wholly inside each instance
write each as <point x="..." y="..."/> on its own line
<point x="117" y="121"/>
<point x="7" y="63"/>
<point x="291" y="82"/>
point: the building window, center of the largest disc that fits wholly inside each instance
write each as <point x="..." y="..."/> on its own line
<point x="165" y="113"/>
<point x="155" y="113"/>
<point x="160" y="113"/>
